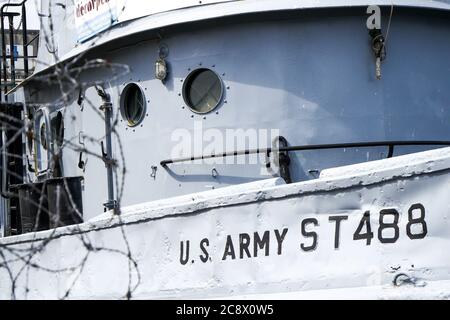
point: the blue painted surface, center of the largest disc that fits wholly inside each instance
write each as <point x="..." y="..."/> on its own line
<point x="311" y="76"/>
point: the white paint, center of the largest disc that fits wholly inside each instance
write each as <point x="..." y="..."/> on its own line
<point x="154" y="232"/>
<point x="94" y="16"/>
<point x="69" y="47"/>
<point x="236" y="191"/>
<point x="433" y="290"/>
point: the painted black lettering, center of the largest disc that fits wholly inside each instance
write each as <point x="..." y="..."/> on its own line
<point x="368" y="235"/>
<point x="184" y="260"/>
<point x="244" y="243"/>
<point x="413" y="221"/>
<point x="308" y="234"/>
<point x="337" y="220"/>
<point x="393" y="225"/>
<point x="261" y="243"/>
<point x="280" y="239"/>
<point x="229" y="249"/>
<point x="203" y="245"/>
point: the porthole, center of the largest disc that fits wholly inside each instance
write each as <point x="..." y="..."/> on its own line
<point x="133" y="104"/>
<point x="202" y="90"/>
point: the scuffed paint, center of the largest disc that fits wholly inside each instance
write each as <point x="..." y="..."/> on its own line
<point x="296" y="266"/>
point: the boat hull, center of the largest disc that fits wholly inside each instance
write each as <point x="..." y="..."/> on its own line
<point x="375" y="230"/>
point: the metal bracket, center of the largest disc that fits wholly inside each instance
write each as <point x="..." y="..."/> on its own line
<point x="379" y="50"/>
<point x="284" y="160"/>
<point x="111" y="205"/>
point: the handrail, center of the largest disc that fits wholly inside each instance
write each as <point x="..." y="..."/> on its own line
<point x="11" y="40"/>
<point x="390" y="144"/>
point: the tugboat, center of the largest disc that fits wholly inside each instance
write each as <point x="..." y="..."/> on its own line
<point x="227" y="149"/>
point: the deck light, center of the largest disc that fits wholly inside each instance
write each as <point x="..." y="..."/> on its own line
<point x="160" y="64"/>
<point x="160" y="69"/>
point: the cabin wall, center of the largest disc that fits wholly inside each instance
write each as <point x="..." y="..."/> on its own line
<point x="311" y="78"/>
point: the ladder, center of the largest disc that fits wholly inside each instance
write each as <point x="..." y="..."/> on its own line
<point x="11" y="164"/>
<point x="11" y="113"/>
<point x="9" y="81"/>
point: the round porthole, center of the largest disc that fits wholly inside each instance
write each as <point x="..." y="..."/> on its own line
<point x="132" y="104"/>
<point x="202" y="90"/>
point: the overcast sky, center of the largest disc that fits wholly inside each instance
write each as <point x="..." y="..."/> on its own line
<point x="32" y="17"/>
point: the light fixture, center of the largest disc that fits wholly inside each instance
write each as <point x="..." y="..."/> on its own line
<point x="160" y="69"/>
<point x="160" y="64"/>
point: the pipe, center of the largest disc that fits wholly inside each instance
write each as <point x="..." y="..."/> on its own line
<point x="106" y="107"/>
<point x="390" y="144"/>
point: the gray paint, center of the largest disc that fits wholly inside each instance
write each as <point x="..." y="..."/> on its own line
<point x="310" y="76"/>
<point x="67" y="46"/>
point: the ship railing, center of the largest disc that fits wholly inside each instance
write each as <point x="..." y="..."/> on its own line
<point x="10" y="81"/>
<point x="284" y="149"/>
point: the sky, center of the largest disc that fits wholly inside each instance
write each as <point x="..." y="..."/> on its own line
<point x="32" y="17"/>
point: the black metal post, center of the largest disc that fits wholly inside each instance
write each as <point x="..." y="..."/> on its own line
<point x="25" y="40"/>
<point x="107" y="155"/>
<point x="11" y="50"/>
<point x="25" y="43"/>
<point x="5" y="75"/>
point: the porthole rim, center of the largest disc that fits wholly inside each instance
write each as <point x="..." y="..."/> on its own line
<point x="122" y="104"/>
<point x="186" y="81"/>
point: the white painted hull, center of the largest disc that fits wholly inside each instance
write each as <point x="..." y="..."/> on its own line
<point x="299" y="267"/>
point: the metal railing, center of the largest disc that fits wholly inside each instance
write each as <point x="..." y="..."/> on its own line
<point x="390" y="144"/>
<point x="283" y="152"/>
<point x="4" y="84"/>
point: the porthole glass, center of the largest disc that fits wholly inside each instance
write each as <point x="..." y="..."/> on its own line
<point x="202" y="90"/>
<point x="43" y="136"/>
<point x="132" y="102"/>
<point x="58" y="129"/>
